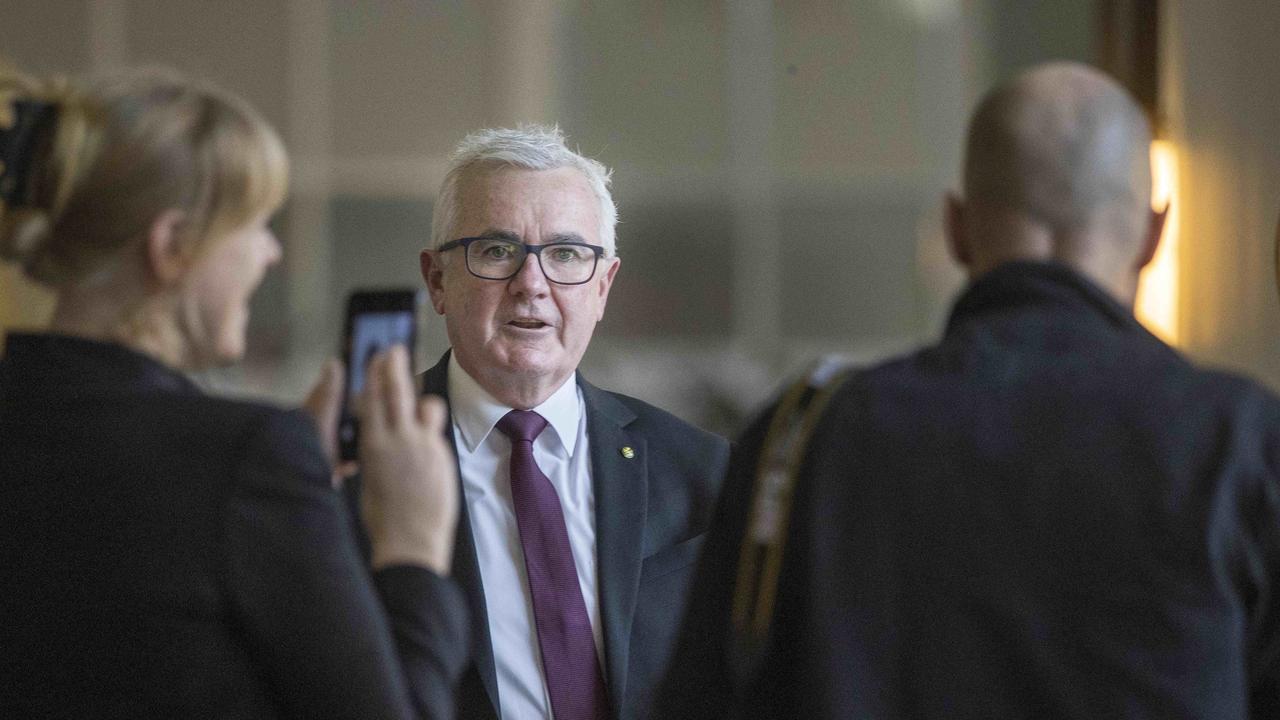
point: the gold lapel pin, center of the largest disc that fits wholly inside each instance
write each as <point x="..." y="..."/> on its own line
<point x="627" y="452"/>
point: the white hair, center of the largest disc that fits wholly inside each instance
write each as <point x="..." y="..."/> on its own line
<point x="529" y="147"/>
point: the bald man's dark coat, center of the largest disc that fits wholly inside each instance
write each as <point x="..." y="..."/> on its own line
<point x="1049" y="514"/>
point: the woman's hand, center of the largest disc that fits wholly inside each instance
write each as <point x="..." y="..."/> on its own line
<point x="409" y="499"/>
<point x="324" y="403"/>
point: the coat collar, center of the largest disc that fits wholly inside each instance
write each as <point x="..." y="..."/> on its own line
<point x="466" y="566"/>
<point x="621" y="489"/>
<point x="1025" y="283"/>
<point x="41" y="361"/>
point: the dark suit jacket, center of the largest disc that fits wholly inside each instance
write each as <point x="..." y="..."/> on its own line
<point x="167" y="554"/>
<point x="1049" y="514"/>
<point x="651" y="512"/>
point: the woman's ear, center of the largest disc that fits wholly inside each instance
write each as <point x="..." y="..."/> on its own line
<point x="168" y="257"/>
<point x="957" y="231"/>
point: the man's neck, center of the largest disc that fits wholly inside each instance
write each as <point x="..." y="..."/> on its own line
<point x="521" y="392"/>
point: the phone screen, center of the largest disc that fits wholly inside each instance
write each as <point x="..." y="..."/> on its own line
<point x="376" y="320"/>
<point x="372" y="333"/>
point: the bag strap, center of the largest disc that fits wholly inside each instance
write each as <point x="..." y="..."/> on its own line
<point x="764" y="541"/>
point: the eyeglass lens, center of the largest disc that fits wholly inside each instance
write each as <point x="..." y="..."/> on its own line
<point x="498" y="259"/>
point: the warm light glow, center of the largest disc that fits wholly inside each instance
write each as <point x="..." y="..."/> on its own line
<point x="1157" y="304"/>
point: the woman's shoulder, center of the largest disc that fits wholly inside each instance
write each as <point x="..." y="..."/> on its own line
<point x="263" y="447"/>
<point x="281" y="451"/>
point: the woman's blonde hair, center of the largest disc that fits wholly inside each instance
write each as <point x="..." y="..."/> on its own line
<point x="119" y="152"/>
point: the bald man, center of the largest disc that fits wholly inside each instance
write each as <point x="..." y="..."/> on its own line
<point x="1048" y="514"/>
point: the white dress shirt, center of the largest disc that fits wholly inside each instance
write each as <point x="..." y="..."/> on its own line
<point x="484" y="455"/>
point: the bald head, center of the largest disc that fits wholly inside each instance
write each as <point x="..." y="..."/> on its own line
<point x="1057" y="167"/>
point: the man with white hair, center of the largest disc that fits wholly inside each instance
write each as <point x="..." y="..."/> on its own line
<point x="1047" y="514"/>
<point x="584" y="509"/>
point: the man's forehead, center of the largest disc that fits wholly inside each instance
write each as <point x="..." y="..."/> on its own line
<point x="484" y="179"/>
<point x="561" y="197"/>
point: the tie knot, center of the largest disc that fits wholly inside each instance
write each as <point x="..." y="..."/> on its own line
<point x="522" y="425"/>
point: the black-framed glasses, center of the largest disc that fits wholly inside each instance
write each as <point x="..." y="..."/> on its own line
<point x="491" y="257"/>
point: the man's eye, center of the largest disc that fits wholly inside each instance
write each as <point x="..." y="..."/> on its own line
<point x="567" y="255"/>
<point x="498" y="252"/>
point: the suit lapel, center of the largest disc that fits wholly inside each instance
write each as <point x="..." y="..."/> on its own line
<point x="466" y="568"/>
<point x="621" y="490"/>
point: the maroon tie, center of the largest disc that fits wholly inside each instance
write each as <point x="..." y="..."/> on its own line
<point x="564" y="629"/>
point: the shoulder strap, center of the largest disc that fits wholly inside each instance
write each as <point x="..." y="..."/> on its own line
<point x="764" y="541"/>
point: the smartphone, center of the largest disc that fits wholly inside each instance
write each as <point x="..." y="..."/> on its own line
<point x="376" y="320"/>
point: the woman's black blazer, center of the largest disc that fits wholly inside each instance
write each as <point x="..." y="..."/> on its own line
<point x="168" y="554"/>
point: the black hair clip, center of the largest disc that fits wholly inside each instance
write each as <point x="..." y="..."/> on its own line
<point x="18" y="142"/>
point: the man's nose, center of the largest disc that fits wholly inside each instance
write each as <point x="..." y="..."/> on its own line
<point x="529" y="279"/>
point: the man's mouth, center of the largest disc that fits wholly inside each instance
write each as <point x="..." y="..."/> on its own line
<point x="527" y="324"/>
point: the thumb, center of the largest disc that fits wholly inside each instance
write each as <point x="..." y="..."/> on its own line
<point x="324" y="402"/>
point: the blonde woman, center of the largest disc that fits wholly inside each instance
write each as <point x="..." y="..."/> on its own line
<point x="164" y="553"/>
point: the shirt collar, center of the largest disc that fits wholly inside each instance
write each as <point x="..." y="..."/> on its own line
<point x="476" y="412"/>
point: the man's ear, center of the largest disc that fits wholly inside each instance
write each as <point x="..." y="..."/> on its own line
<point x="1151" y="240"/>
<point x="606" y="282"/>
<point x="957" y="231"/>
<point x="433" y="276"/>
<point x="168" y="256"/>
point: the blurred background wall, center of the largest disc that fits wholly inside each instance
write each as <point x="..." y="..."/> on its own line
<point x="1220" y="82"/>
<point x="779" y="166"/>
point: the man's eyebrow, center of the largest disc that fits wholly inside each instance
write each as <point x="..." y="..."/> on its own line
<point x="509" y="236"/>
<point x="497" y="234"/>
<point x="571" y="237"/>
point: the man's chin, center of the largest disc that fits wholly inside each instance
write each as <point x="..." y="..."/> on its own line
<point x="527" y="366"/>
<point x="534" y="364"/>
<point x="522" y="361"/>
